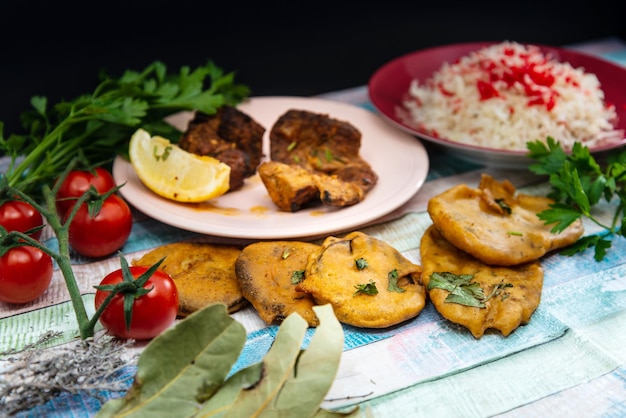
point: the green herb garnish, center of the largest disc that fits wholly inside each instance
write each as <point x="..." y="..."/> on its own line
<point x="392" y="286"/>
<point x="297" y="276"/>
<point x="463" y="291"/>
<point x="505" y="207"/>
<point x="366" y="288"/>
<point x="99" y="125"/>
<point x="164" y="156"/>
<point x="578" y="183"/>
<point x="361" y="263"/>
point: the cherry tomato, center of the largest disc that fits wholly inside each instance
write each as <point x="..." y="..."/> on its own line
<point x="103" y="234"/>
<point x="153" y="312"/>
<point x="25" y="274"/>
<point x="78" y="182"/>
<point x="17" y="215"/>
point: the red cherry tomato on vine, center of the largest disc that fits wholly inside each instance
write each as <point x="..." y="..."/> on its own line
<point x="103" y="234"/>
<point x="153" y="312"/>
<point x="25" y="274"/>
<point x="78" y="182"/>
<point x="17" y="215"/>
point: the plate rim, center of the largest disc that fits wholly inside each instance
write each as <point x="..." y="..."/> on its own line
<point x="375" y="92"/>
<point x="122" y="173"/>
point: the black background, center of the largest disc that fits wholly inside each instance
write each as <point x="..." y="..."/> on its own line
<point x="295" y="48"/>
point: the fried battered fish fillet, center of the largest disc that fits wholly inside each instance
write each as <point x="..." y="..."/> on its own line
<point x="203" y="273"/>
<point x="368" y="282"/>
<point x="268" y="273"/>
<point x="291" y="187"/>
<point x="496" y="225"/>
<point x="517" y="288"/>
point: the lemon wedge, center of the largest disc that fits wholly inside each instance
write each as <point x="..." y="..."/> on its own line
<point x="174" y="173"/>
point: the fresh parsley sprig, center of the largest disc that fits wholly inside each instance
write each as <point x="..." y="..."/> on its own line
<point x="464" y="291"/>
<point x="100" y="124"/>
<point x="579" y="183"/>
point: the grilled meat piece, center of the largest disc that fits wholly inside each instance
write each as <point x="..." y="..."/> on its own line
<point x="321" y="144"/>
<point x="230" y="136"/>
<point x="315" y="157"/>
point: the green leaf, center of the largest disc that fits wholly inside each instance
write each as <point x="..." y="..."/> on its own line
<point x="462" y="290"/>
<point x="315" y="370"/>
<point x="581" y="245"/>
<point x="39" y="103"/>
<point x="577" y="185"/>
<point x="366" y="288"/>
<point x="292" y="382"/>
<point x="392" y="286"/>
<point x="221" y="402"/>
<point x="550" y="156"/>
<point x="182" y="367"/>
<point x="600" y="249"/>
<point x="100" y="124"/>
<point x="361" y="263"/>
<point x="559" y="214"/>
<point x="297" y="276"/>
<point x="278" y="365"/>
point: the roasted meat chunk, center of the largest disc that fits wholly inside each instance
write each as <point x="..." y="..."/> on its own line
<point x="315" y="156"/>
<point x="231" y="136"/>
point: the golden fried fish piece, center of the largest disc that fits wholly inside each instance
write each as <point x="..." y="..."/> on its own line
<point x="345" y="271"/>
<point x="518" y="288"/>
<point x="496" y="225"/>
<point x="291" y="187"/>
<point x="268" y="273"/>
<point x="203" y="273"/>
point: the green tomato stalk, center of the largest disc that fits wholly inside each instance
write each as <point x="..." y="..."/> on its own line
<point x="130" y="289"/>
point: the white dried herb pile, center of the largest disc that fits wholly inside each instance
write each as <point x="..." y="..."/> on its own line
<point x="35" y="375"/>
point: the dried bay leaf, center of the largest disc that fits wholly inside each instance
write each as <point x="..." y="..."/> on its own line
<point x="316" y="369"/>
<point x="183" y="372"/>
<point x="221" y="403"/>
<point x="184" y="366"/>
<point x="294" y="381"/>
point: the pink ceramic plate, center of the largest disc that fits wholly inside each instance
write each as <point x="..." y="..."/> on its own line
<point x="400" y="161"/>
<point x="389" y="85"/>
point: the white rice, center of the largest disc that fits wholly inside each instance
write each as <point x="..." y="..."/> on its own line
<point x="517" y="106"/>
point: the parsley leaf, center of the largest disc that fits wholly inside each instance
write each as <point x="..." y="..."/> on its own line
<point x="361" y="263"/>
<point x="99" y="125"/>
<point x="463" y="291"/>
<point x="578" y="182"/>
<point x="392" y="286"/>
<point x="366" y="288"/>
<point x="297" y="276"/>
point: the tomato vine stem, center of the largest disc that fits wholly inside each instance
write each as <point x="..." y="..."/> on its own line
<point x="86" y="325"/>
